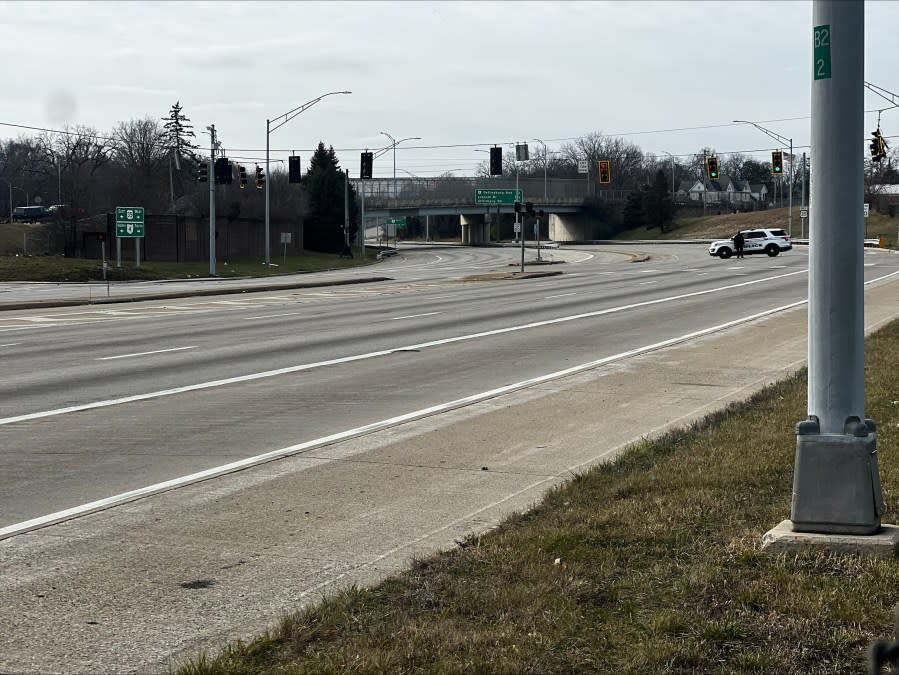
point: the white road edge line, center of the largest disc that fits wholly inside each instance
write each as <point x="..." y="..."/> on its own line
<point x="158" y="351"/>
<point x="413" y="316"/>
<point x="270" y="316"/>
<point x="370" y="355"/>
<point x="562" y="295"/>
<point x="215" y="472"/>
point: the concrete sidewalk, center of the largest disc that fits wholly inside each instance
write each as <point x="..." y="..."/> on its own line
<point x="138" y="587"/>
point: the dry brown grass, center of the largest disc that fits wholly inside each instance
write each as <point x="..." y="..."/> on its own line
<point x="650" y="564"/>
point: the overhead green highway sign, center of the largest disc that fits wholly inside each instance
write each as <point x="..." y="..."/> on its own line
<point x="497" y="196"/>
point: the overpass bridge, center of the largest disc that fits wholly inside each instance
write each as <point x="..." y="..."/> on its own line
<point x="561" y="198"/>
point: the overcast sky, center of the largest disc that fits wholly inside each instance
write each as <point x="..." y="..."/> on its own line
<point x="668" y="76"/>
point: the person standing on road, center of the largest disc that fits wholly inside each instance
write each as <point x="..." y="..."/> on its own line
<point x="738" y="244"/>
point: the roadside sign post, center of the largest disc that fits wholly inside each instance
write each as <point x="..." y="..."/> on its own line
<point x="129" y="223"/>
<point x="394" y="224"/>
<point x="285" y="239"/>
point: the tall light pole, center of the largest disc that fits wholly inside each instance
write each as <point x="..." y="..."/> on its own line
<point x="544" y="171"/>
<point x="672" y="172"/>
<point x="289" y="115"/>
<point x="393" y="144"/>
<point x="780" y="139"/>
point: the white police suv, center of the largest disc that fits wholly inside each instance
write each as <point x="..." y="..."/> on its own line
<point x="770" y="241"/>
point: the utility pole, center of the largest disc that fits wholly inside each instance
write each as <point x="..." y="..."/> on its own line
<point x="802" y="225"/>
<point x="212" y="146"/>
<point x="836" y="481"/>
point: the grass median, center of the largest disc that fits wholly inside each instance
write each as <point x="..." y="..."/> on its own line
<point x="648" y="564"/>
<point x="60" y="269"/>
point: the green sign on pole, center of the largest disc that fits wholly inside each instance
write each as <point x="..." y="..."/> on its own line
<point x="398" y="222"/>
<point x="822" y="52"/>
<point x="497" y="196"/>
<point x="129" y="221"/>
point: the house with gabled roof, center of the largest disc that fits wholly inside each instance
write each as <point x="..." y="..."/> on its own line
<point x="726" y="189"/>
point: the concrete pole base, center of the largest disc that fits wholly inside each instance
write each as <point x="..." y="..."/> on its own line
<point x="836" y="481"/>
<point x="881" y="544"/>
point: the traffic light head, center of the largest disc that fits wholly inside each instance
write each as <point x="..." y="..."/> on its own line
<point x="529" y="207"/>
<point x="294" y="173"/>
<point x="241" y="176"/>
<point x="777" y="162"/>
<point x="260" y="177"/>
<point x="517" y="207"/>
<point x="605" y="171"/>
<point x="367" y="162"/>
<point x="711" y="164"/>
<point x="101" y="237"/>
<point x="878" y="146"/>
<point x="496" y="161"/>
<point x="203" y="175"/>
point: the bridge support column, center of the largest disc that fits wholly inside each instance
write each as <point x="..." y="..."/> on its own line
<point x="568" y="227"/>
<point x="475" y="231"/>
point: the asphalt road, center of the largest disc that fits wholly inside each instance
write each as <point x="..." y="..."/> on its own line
<point x="221" y="379"/>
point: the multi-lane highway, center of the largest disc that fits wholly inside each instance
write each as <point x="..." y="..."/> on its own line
<point x="99" y="400"/>
<point x="511" y="385"/>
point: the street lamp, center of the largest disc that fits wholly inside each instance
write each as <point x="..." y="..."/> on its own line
<point x="672" y="172"/>
<point x="393" y="144"/>
<point x="780" y="139"/>
<point x="544" y="171"/>
<point x="289" y="115"/>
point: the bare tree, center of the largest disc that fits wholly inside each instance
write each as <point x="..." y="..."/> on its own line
<point x="626" y="157"/>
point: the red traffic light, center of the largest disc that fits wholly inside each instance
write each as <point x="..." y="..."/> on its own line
<point x="101" y="237"/>
<point x="605" y="171"/>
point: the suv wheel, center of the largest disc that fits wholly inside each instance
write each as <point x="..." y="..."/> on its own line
<point x="772" y="250"/>
<point x="725" y="252"/>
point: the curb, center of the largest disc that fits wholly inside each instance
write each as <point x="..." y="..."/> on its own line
<point x="38" y="304"/>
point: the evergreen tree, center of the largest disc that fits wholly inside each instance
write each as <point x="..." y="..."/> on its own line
<point x="633" y="209"/>
<point x="325" y="185"/>
<point x="179" y="130"/>
<point x="658" y="206"/>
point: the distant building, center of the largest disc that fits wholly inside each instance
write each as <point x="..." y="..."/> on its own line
<point x="726" y="191"/>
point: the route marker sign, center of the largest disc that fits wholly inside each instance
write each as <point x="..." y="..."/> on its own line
<point x="129" y="221"/>
<point x="397" y="222"/>
<point x="497" y="196"/>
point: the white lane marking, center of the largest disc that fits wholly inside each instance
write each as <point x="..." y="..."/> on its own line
<point x="562" y="295"/>
<point x="870" y="264"/>
<point x="647" y="271"/>
<point x="165" y="486"/>
<point x="10" y="344"/>
<point x="436" y="297"/>
<point x="413" y="316"/>
<point x="45" y="325"/>
<point x="646" y="283"/>
<point x="384" y="352"/>
<point x="270" y="316"/>
<point x="158" y="351"/>
<point x="736" y="268"/>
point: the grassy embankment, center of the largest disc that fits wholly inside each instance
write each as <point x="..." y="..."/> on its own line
<point x="649" y="564"/>
<point x="726" y="225"/>
<point x="60" y="269"/>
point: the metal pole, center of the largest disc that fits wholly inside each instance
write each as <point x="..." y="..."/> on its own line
<point x="137" y="251"/>
<point x="836" y="483"/>
<point x="802" y="220"/>
<point x="790" y="200"/>
<point x="171" y="184"/>
<point x="59" y="182"/>
<point x="346" y="213"/>
<point x="268" y="255"/>
<point x="212" y="202"/>
<point x="10" y="203"/>
<point x="118" y="252"/>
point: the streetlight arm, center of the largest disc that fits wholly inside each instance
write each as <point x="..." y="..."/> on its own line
<point x="777" y="137"/>
<point x="290" y="114"/>
<point x="393" y="144"/>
